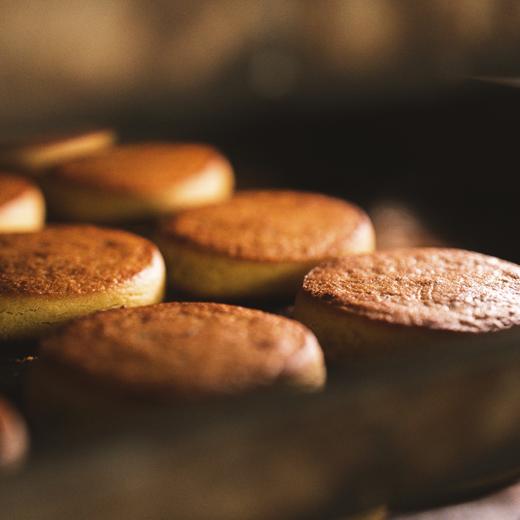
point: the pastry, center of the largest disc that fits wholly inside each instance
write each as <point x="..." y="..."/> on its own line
<point x="35" y="156"/>
<point x="259" y="243"/>
<point x="138" y="182"/>
<point x="22" y="207"/>
<point x="13" y="437"/>
<point x="62" y="272"/>
<point x="177" y="350"/>
<point x="410" y="298"/>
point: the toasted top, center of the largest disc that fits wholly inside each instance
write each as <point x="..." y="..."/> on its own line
<point x="70" y="260"/>
<point x="44" y="140"/>
<point x="142" y="168"/>
<point x="187" y="348"/>
<point x="445" y="289"/>
<point x="275" y="226"/>
<point x="36" y="152"/>
<point x="12" y="187"/>
<point x="13" y="436"/>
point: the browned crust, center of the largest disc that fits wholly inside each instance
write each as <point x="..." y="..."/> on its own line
<point x="13" y="436"/>
<point x="185" y="349"/>
<point x="141" y="168"/>
<point x="444" y="289"/>
<point x="70" y="260"/>
<point x="42" y="141"/>
<point x="12" y="187"/>
<point x="274" y="226"/>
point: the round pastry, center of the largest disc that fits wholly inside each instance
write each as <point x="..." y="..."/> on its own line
<point x="260" y="243"/>
<point x="37" y="155"/>
<point x="13" y="437"/>
<point x="183" y="350"/>
<point x="402" y="298"/>
<point x="22" y="207"/>
<point x="133" y="182"/>
<point x="62" y="272"/>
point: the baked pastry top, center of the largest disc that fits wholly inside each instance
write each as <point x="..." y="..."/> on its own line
<point x="141" y="168"/>
<point x="12" y="187"/>
<point x="447" y="289"/>
<point x="273" y="226"/>
<point x="38" y="152"/>
<point x="191" y="348"/>
<point x="70" y="260"/>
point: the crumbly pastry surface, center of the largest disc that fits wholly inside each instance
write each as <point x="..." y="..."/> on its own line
<point x="142" y="168"/>
<point x="274" y="226"/>
<point x="435" y="288"/>
<point x="187" y="348"/>
<point x="70" y="260"/>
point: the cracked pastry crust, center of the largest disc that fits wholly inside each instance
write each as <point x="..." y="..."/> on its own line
<point x="176" y="349"/>
<point x="425" y="295"/>
<point x="260" y="243"/>
<point x="22" y="207"/>
<point x="62" y="272"/>
<point x="142" y="181"/>
<point x="37" y="155"/>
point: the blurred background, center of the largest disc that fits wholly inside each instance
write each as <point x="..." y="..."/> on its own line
<point x="408" y="107"/>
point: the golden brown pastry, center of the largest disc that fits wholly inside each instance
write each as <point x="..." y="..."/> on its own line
<point x="63" y="272"/>
<point x="35" y="156"/>
<point x="22" y="207"/>
<point x="14" y="440"/>
<point x="409" y="298"/>
<point x="141" y="181"/>
<point x="175" y="350"/>
<point x="260" y="243"/>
